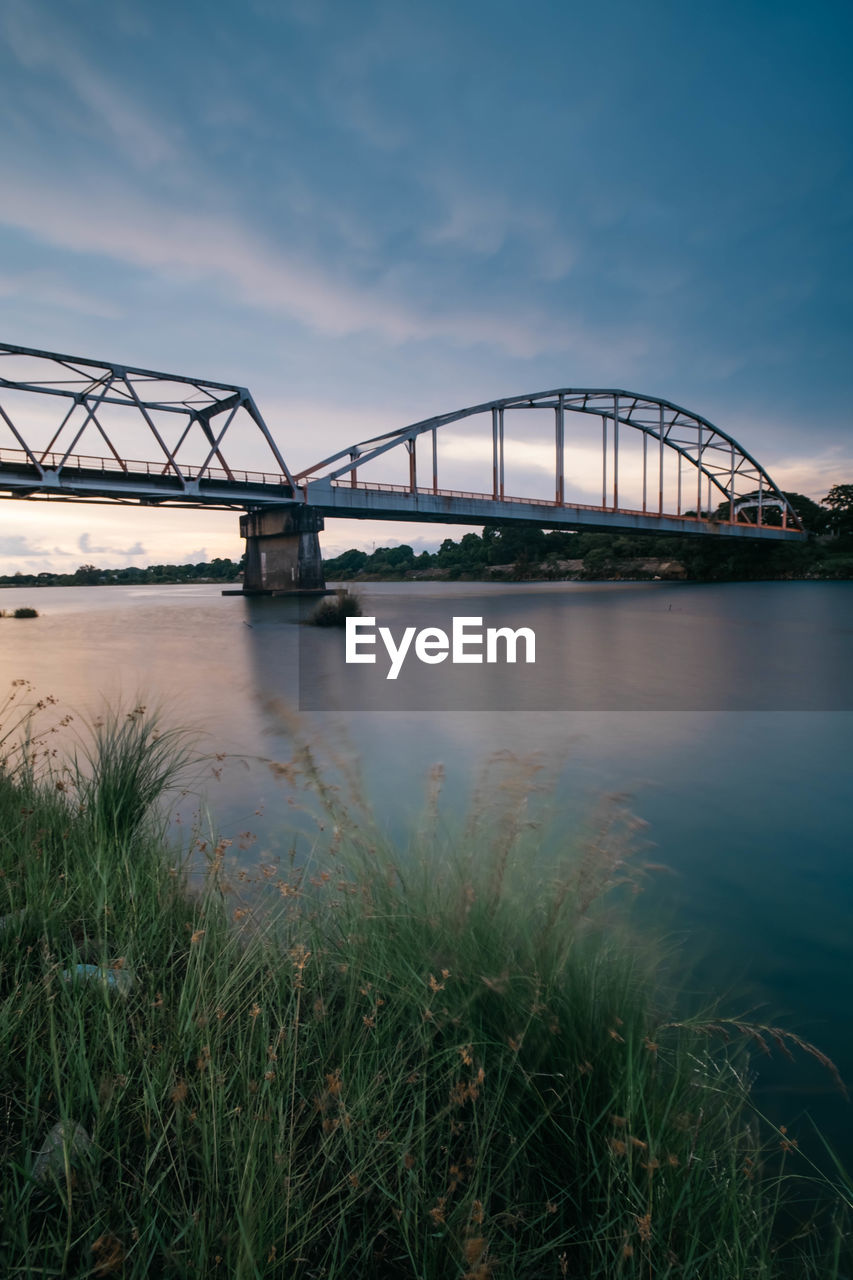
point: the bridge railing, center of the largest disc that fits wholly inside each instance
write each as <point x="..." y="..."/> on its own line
<point x="528" y="502"/>
<point x="90" y="464"/>
<point x="131" y="468"/>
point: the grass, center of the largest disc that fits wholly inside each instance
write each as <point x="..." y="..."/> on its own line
<point x="23" y="611"/>
<point x="439" y="1063"/>
<point x="335" y="611"/>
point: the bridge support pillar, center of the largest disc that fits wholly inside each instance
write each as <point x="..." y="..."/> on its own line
<point x="282" y="551"/>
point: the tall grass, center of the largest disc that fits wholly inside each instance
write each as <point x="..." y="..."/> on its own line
<point x="441" y="1064"/>
<point x="122" y="772"/>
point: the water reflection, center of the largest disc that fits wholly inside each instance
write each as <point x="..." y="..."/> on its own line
<point x="599" y="647"/>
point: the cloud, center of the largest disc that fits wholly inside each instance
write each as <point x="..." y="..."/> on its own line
<point x="129" y="224"/>
<point x="815" y="474"/>
<point x="524" y="458"/>
<point x="17" y="545"/>
<point x="39" y="43"/>
<point x="50" y="289"/>
<point x="198" y="247"/>
<point x="85" y="206"/>
<point x="84" y="542"/>
<point x="483" y="223"/>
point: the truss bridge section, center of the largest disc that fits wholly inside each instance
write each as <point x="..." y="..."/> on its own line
<point x="83" y="430"/>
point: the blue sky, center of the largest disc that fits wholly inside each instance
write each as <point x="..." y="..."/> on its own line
<point x="371" y="212"/>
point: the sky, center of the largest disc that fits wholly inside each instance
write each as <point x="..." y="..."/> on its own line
<point x="373" y="212"/>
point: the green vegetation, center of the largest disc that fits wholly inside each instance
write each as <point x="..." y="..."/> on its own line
<point x="334" y="611"/>
<point x="24" y="611"/>
<point x="89" y="575"/>
<point x="839" y="501"/>
<point x="426" y="1067"/>
<point x="516" y="552"/>
<point x="519" y="552"/>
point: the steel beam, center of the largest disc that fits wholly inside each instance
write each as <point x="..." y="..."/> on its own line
<point x="615" y="453"/>
<point x="495" y="488"/>
<point x="603" y="460"/>
<point x="501" y="452"/>
<point x="560" y="487"/>
<point x="645" y="464"/>
<point x="413" y="466"/>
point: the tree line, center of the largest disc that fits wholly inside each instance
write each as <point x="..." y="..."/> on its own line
<point x="220" y="569"/>
<point x="528" y="551"/>
<point x="522" y="551"/>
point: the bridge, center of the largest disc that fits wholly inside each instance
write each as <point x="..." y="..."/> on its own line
<point x="82" y="430"/>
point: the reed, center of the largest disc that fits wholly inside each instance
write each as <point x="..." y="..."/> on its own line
<point x="428" y="1062"/>
<point x="334" y="611"/>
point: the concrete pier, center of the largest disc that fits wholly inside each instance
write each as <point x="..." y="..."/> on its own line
<point x="283" y="551"/>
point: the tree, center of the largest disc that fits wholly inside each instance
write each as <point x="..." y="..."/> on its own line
<point x="840" y="503"/>
<point x="88" y="575"/>
<point x="401" y="558"/>
<point x="348" y="562"/>
<point x="811" y="513"/>
<point x="447" y="556"/>
<point x="516" y="544"/>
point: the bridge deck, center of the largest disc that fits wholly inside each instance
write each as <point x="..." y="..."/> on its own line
<point x="453" y="506"/>
<point x="85" y="478"/>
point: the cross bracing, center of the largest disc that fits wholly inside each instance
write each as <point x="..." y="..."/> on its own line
<point x="74" y="428"/>
<point x="723" y="473"/>
<point x="89" y="430"/>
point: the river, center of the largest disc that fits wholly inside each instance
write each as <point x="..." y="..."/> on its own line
<point x="725" y="713"/>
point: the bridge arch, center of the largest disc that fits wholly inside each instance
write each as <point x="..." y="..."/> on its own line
<point x="722" y="468"/>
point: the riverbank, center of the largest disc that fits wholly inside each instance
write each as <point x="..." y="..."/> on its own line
<point x="830" y="568"/>
<point x="442" y="1071"/>
<point x="517" y="553"/>
<point x="806" y="564"/>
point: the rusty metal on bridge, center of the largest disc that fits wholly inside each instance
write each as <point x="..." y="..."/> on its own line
<point x="692" y="476"/>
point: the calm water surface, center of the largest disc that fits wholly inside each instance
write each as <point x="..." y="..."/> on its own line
<point x="725" y="711"/>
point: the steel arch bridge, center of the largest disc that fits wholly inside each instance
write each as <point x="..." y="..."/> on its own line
<point x="95" y="431"/>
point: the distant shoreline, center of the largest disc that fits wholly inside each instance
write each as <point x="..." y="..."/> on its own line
<point x="510" y="554"/>
<point x="447" y="576"/>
